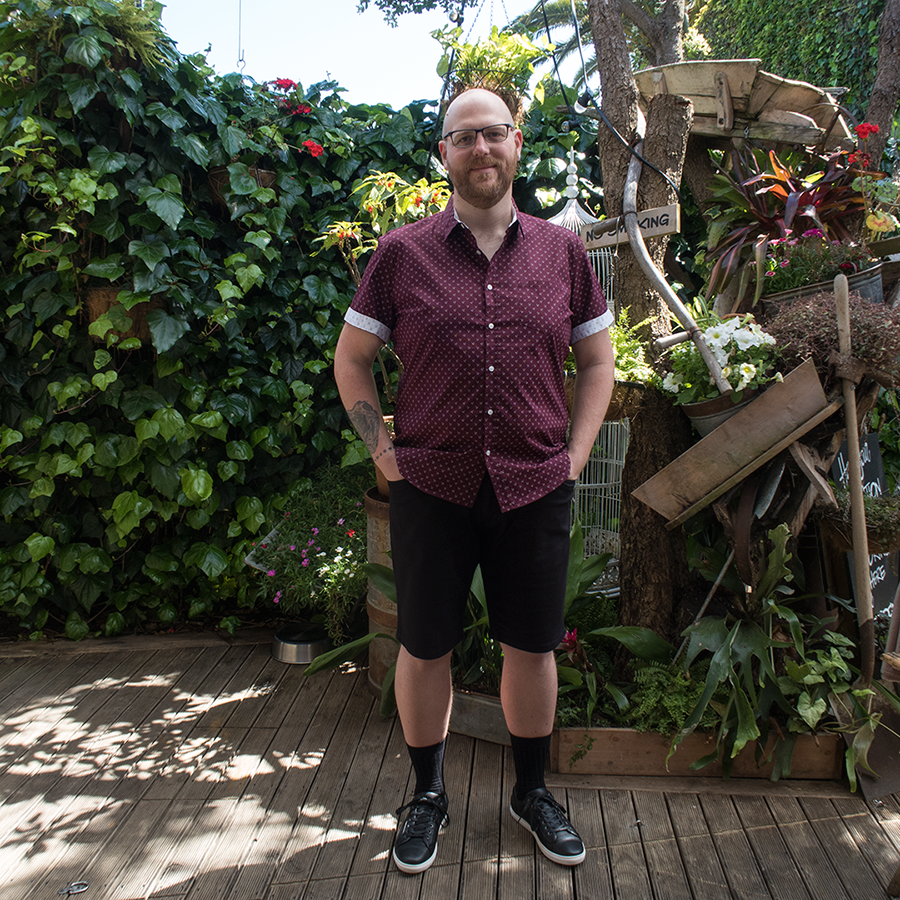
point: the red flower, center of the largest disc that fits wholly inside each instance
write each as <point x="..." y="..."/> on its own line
<point x="864" y="129"/>
<point x="301" y="109"/>
<point x="570" y="641"/>
<point x="314" y="148"/>
<point x="283" y="84"/>
<point x="351" y="533"/>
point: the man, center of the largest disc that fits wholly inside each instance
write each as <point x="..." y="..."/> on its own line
<point x="482" y="304"/>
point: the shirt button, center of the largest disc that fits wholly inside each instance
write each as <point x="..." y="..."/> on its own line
<point x="487" y="452"/>
<point x="490" y="412"/>
<point x="491" y="325"/>
<point x="490" y="368"/>
<point x="490" y="287"/>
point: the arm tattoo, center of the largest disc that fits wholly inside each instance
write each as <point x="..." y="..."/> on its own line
<point x="367" y="421"/>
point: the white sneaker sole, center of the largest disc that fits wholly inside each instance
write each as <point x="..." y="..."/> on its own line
<point x="555" y="857"/>
<point x="416" y="868"/>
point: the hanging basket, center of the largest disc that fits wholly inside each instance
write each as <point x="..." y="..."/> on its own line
<point x="219" y="178"/>
<point x="100" y="300"/>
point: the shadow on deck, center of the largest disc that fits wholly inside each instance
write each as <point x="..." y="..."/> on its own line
<point x="186" y="767"/>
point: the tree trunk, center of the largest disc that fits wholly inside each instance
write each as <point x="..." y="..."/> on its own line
<point x="653" y="561"/>
<point x="886" y="90"/>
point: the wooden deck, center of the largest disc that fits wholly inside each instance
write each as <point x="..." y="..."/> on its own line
<point x="185" y="767"/>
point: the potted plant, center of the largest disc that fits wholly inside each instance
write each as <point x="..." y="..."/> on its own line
<point x="748" y="357"/>
<point x="763" y="198"/>
<point x="312" y="561"/>
<point x="881" y="195"/>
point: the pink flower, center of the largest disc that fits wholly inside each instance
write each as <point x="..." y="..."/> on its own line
<point x="315" y="531"/>
<point x="305" y="562"/>
<point x="340" y="521"/>
<point x="293" y="547"/>
<point x="271" y="573"/>
<point x="570" y="640"/>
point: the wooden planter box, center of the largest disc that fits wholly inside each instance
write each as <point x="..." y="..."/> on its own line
<point x="624" y="751"/>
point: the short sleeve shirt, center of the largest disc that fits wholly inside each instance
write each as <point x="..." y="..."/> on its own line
<point x="483" y="345"/>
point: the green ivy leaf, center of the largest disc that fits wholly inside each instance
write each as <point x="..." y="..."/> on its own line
<point x="239" y="450"/>
<point x="146" y="430"/>
<point x="84" y="50"/>
<point x="151" y="252"/>
<point x="114" y="450"/>
<point x="227" y="469"/>
<point x="211" y="560"/>
<point x="76" y="628"/>
<point x="165" y="330"/>
<point x="250" y="513"/>
<point x="197" y="484"/>
<point x="39" y="546"/>
<point x="109" y="268"/>
<point x="168" y="116"/>
<point x="197" y="519"/>
<point x="93" y="560"/>
<point x="193" y="147"/>
<point x="128" y="510"/>
<point x="106" y="161"/>
<point x="171" y="424"/>
<point x="115" y="624"/>
<point x="209" y="419"/>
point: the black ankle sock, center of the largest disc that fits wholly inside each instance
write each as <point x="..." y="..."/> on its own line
<point x="529" y="757"/>
<point x="428" y="764"/>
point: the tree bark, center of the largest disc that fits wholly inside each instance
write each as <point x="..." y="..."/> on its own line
<point x="886" y="90"/>
<point x="653" y="564"/>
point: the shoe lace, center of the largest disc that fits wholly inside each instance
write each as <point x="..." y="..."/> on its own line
<point x="421" y="816"/>
<point x="552" y="814"/>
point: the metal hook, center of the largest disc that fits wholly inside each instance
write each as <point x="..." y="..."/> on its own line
<point x="76" y="887"/>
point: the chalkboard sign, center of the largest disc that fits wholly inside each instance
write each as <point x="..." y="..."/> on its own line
<point x="884" y="568"/>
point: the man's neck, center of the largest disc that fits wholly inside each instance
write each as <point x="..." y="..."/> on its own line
<point x="487" y="225"/>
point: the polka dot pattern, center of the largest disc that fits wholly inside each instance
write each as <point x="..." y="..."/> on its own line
<point x="483" y="344"/>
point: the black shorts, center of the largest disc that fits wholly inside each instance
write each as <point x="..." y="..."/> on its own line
<point x="524" y="554"/>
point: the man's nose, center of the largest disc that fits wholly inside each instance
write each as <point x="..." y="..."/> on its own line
<point x="481" y="145"/>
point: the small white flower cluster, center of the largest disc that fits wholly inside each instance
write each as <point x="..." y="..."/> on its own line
<point x="729" y="340"/>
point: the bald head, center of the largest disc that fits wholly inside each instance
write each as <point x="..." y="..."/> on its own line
<point x="476" y="104"/>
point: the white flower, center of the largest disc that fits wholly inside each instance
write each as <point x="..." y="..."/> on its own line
<point x="745" y="339"/>
<point x="717" y="336"/>
<point x="747" y="372"/>
<point x="779" y="377"/>
<point x="673" y="381"/>
<point x="721" y="354"/>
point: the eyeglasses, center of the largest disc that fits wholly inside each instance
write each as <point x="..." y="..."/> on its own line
<point x="493" y="134"/>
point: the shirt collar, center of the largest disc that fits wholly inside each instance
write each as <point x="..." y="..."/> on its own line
<point x="448" y="220"/>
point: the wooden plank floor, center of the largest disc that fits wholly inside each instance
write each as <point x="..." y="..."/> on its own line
<point x="185" y="767"/>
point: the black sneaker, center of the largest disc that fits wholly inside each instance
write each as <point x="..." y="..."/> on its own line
<point x="416" y="843"/>
<point x="546" y="820"/>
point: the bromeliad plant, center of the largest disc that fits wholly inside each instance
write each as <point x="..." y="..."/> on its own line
<point x="762" y="198"/>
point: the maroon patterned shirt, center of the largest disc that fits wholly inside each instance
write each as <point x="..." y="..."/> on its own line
<point x="483" y="344"/>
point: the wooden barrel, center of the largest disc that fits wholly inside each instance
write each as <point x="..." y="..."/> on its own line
<point x="382" y="610"/>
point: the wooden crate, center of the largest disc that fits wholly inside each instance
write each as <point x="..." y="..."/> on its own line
<point x="750" y="438"/>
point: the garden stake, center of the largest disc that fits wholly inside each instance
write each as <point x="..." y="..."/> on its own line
<point x="709" y="597"/>
<point x="864" y="613"/>
<point x="881" y="775"/>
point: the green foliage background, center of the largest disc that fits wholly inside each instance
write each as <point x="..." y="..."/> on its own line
<point x="829" y="43"/>
<point x="134" y="475"/>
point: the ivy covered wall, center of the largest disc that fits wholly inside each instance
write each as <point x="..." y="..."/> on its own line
<point x="168" y="314"/>
<point x="830" y="43"/>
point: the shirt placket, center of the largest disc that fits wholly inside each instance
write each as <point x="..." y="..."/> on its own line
<point x="492" y="301"/>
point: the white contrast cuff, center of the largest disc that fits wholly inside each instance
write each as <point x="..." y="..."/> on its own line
<point x="586" y="329"/>
<point x="373" y="326"/>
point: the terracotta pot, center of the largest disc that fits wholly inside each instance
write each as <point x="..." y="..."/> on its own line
<point x="381" y="609"/>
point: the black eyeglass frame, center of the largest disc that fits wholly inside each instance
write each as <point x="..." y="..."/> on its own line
<point x="476" y="132"/>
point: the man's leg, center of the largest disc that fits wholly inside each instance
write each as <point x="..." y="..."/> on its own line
<point x="424" y="695"/>
<point x="528" y="694"/>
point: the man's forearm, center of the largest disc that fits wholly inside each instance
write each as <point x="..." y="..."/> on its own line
<point x="593" y="388"/>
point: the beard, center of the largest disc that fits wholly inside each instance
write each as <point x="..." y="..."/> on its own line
<point x="484" y="189"/>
